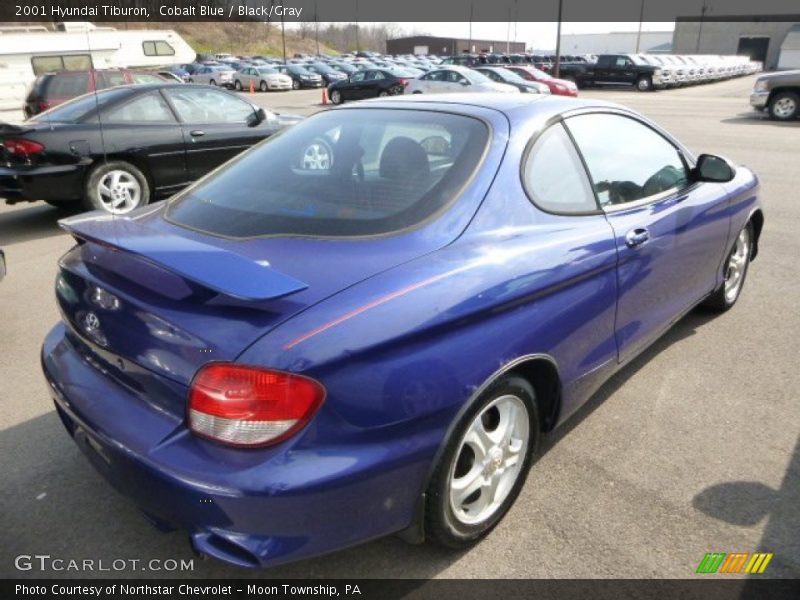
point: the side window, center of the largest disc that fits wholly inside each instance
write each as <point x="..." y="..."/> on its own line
<point x="68" y="85"/>
<point x="146" y="78"/>
<point x="197" y="105"/>
<point x="148" y="108"/>
<point x="157" y="48"/>
<point x="554" y="177"/>
<point x="621" y="62"/>
<point x="107" y="79"/>
<point x="627" y="160"/>
<point x="358" y="76"/>
<point x="375" y="75"/>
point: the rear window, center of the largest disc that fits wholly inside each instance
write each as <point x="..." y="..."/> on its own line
<point x="68" y="86"/>
<point x="76" y="109"/>
<point x="343" y="173"/>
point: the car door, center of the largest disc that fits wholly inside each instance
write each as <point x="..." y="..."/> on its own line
<point x="374" y="83"/>
<point x="216" y="126"/>
<point x="146" y="127"/>
<point x="670" y="232"/>
<point x="356" y="86"/>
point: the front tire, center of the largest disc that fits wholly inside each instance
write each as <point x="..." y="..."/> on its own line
<point x="484" y="464"/>
<point x="736" y="267"/>
<point x="116" y="187"/>
<point x="295" y="84"/>
<point x="238" y="86"/>
<point x="336" y="97"/>
<point x="784" y="106"/>
<point x="263" y="86"/>
<point x="212" y="82"/>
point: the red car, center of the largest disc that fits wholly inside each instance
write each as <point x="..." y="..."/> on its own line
<point x="52" y="89"/>
<point x="560" y="87"/>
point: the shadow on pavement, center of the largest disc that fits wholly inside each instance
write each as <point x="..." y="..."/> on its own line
<point x="35" y="221"/>
<point x="746" y="503"/>
<point x="758" y="118"/>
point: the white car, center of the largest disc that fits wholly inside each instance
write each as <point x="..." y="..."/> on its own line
<point x="263" y="78"/>
<point x="452" y="79"/>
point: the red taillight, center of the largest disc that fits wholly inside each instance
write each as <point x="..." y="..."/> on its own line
<point x="404" y="82"/>
<point x="251" y="407"/>
<point x="16" y="146"/>
<point x="43" y="105"/>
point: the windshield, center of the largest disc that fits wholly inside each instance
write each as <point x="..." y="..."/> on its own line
<point x="76" y="109"/>
<point x="354" y="172"/>
<point x="299" y="70"/>
<point x="267" y="70"/>
<point x="476" y="77"/>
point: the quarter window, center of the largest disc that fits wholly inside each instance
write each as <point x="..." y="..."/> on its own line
<point x="627" y="160"/>
<point x="149" y="108"/>
<point x="554" y="176"/>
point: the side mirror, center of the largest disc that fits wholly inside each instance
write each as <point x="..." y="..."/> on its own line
<point x="713" y="168"/>
<point x="258" y="117"/>
<point x="464" y="82"/>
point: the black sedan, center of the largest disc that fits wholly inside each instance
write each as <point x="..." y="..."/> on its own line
<point x="370" y="83"/>
<point x="119" y="148"/>
<point x="301" y="77"/>
<point x="503" y="75"/>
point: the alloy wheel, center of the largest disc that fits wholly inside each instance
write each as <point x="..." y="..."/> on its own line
<point x="317" y="157"/>
<point x="119" y="192"/>
<point x="784" y="107"/>
<point x="489" y="460"/>
<point x="737" y="265"/>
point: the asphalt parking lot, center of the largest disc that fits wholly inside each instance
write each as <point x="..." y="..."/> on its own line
<point x="692" y="448"/>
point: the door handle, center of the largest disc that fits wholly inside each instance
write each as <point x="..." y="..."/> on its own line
<point x="197" y="133"/>
<point x="637" y="237"/>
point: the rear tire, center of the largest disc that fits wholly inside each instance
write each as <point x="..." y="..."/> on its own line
<point x="116" y="187"/>
<point x="263" y="86"/>
<point x="644" y="83"/>
<point x="736" y="267"/>
<point x="784" y="106"/>
<point x="238" y="85"/>
<point x="295" y="84"/>
<point x="484" y="464"/>
<point x="212" y="82"/>
<point x="383" y="94"/>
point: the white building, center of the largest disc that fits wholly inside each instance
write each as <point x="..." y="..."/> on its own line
<point x="615" y="42"/>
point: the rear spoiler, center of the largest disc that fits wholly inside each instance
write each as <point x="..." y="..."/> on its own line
<point x="211" y="267"/>
<point x="13" y="128"/>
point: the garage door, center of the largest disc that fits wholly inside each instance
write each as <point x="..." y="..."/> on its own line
<point x="790" y="50"/>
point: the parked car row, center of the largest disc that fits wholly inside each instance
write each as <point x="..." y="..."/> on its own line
<point x="656" y="71"/>
<point x="117" y="149"/>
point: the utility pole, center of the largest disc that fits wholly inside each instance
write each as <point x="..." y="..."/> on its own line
<point x="471" y="7"/>
<point x="557" y="67"/>
<point x="283" y="38"/>
<point x="700" y="31"/>
<point x="358" y="44"/>
<point x="639" y="34"/>
<point x="508" y="32"/>
<point x="316" y="26"/>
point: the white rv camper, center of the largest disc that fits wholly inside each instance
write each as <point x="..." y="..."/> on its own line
<point x="26" y="52"/>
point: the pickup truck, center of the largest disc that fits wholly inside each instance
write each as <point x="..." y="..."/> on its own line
<point x="615" y="69"/>
<point x="778" y="94"/>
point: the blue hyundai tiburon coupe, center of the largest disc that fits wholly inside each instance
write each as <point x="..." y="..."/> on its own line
<point x="364" y="325"/>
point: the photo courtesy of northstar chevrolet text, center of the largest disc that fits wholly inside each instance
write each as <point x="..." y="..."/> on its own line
<point x="393" y="294"/>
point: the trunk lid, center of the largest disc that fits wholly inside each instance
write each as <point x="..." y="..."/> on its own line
<point x="145" y="297"/>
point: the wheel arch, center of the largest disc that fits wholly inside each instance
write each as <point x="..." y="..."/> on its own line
<point x="542" y="373"/>
<point x="137" y="161"/>
<point x="784" y="88"/>
<point x="757" y="219"/>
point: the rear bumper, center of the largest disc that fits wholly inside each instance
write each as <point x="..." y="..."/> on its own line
<point x="246" y="507"/>
<point x="62" y="182"/>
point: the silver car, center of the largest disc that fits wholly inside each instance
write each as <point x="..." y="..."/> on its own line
<point x="214" y="75"/>
<point x="262" y="78"/>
